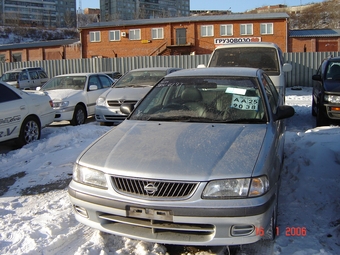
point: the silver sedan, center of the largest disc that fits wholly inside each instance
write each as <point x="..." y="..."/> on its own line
<point x="197" y="162"/>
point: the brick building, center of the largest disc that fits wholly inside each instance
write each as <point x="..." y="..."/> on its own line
<point x="49" y="50"/>
<point x="181" y="35"/>
<point x="314" y="40"/>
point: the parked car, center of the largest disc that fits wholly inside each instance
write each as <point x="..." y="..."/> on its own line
<point x="114" y="75"/>
<point x="26" y="78"/>
<point x="130" y="88"/>
<point x="326" y="92"/>
<point x="197" y="162"/>
<point x="74" y="95"/>
<point x="23" y="114"/>
<point x="264" y="55"/>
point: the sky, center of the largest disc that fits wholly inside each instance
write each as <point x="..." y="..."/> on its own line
<point x="233" y="5"/>
<point x="36" y="214"/>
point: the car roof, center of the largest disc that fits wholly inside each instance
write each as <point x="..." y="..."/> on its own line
<point x="217" y="71"/>
<point x="155" y="69"/>
<point x="333" y="58"/>
<point x="25" y="68"/>
<point x="76" y="74"/>
<point x="249" y="44"/>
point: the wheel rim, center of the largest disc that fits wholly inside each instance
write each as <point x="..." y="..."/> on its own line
<point x="80" y="117"/>
<point x="31" y="131"/>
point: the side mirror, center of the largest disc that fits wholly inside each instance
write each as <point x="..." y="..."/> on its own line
<point x="127" y="108"/>
<point x="316" y="77"/>
<point x="93" y="87"/>
<point x="287" y="67"/>
<point x="284" y="112"/>
<point x="38" y="88"/>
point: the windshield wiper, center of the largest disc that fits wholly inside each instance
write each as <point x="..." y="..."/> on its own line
<point x="253" y="121"/>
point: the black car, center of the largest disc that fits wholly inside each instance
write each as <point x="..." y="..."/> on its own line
<point x="326" y="92"/>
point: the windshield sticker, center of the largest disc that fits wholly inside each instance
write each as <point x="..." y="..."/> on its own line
<point x="245" y="102"/>
<point x="166" y="83"/>
<point x="236" y="91"/>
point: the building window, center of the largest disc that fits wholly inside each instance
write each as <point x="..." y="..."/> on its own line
<point x="134" y="34"/>
<point x="246" y="29"/>
<point x="16" y="57"/>
<point x="2" y="58"/>
<point x="157" y="33"/>
<point x="207" y="30"/>
<point x="95" y="36"/>
<point x="114" y="35"/>
<point x="226" y="30"/>
<point x="267" y="29"/>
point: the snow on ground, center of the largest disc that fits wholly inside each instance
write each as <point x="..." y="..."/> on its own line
<point x="36" y="215"/>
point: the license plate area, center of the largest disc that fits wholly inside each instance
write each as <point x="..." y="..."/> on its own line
<point x="152" y="214"/>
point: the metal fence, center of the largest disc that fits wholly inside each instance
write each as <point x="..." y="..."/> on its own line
<point x="304" y="65"/>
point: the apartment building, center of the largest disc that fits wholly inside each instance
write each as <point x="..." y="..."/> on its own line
<point x="47" y="13"/>
<point x="143" y="9"/>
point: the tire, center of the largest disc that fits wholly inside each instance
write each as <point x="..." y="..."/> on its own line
<point x="79" y="116"/>
<point x="271" y="231"/>
<point x="30" y="131"/>
<point x="321" y="120"/>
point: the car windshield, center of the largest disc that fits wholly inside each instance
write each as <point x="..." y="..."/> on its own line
<point x="13" y="76"/>
<point x="203" y="99"/>
<point x="66" y="82"/>
<point x="140" y="78"/>
<point x="333" y="71"/>
<point x="256" y="57"/>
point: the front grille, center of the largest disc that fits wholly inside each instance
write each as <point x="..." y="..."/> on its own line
<point x="117" y="103"/>
<point x="154" y="189"/>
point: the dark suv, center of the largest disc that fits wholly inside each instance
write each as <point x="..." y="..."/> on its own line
<point x="326" y="92"/>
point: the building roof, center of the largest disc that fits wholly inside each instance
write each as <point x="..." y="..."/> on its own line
<point x="315" y="33"/>
<point x="230" y="17"/>
<point x="26" y="45"/>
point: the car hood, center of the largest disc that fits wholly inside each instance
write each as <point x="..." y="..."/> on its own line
<point x="127" y="93"/>
<point x="174" y="150"/>
<point x="59" y="94"/>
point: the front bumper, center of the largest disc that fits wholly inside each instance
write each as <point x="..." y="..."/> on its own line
<point x="171" y="223"/>
<point x="64" y="114"/>
<point x="112" y="114"/>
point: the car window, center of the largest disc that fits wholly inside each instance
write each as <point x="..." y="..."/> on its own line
<point x="271" y="91"/>
<point x="6" y="94"/>
<point x="66" y="82"/>
<point x="333" y="71"/>
<point x="34" y="75"/>
<point x="105" y="81"/>
<point x="140" y="78"/>
<point x="12" y="76"/>
<point x="93" y="80"/>
<point x="42" y="75"/>
<point x="207" y="99"/>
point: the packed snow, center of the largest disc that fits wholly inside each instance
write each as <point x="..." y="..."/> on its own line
<point x="37" y="218"/>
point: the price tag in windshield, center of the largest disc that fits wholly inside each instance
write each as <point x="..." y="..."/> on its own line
<point x="245" y="102"/>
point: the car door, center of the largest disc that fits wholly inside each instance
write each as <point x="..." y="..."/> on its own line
<point x="35" y="80"/>
<point x="93" y="94"/>
<point x="13" y="111"/>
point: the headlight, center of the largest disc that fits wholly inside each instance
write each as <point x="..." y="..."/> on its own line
<point x="236" y="188"/>
<point x="100" y="101"/>
<point x="332" y="99"/>
<point x="89" y="176"/>
<point x="60" y="104"/>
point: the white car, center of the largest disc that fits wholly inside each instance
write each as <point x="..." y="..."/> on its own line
<point x="74" y="95"/>
<point x="23" y="114"/>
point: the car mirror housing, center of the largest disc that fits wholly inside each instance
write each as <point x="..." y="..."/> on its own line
<point x="316" y="77"/>
<point x="287" y="67"/>
<point x="284" y="112"/>
<point x="126" y="108"/>
<point x="93" y="87"/>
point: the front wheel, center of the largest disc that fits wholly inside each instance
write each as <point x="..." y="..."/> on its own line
<point x="79" y="116"/>
<point x="30" y="131"/>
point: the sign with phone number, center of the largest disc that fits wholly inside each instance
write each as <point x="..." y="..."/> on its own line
<point x="245" y="102"/>
<point x="236" y="40"/>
